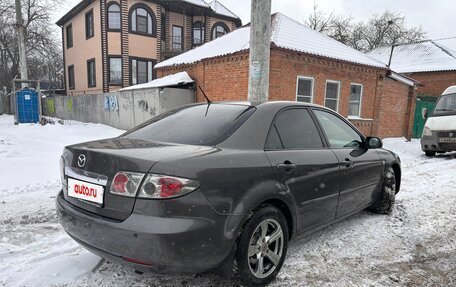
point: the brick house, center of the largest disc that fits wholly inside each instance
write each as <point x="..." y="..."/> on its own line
<point x="428" y="62"/>
<point x="305" y="66"/>
<point x="111" y="44"/>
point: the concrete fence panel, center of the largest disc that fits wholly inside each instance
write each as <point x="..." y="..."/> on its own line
<point x="123" y="110"/>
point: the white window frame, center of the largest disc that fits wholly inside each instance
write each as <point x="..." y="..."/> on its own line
<point x="338" y="93"/>
<point x="360" y="100"/>
<point x="312" y="87"/>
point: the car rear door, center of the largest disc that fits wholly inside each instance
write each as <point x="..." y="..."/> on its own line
<point x="361" y="169"/>
<point x="303" y="164"/>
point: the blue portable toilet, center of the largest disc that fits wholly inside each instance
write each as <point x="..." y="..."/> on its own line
<point x="27" y="102"/>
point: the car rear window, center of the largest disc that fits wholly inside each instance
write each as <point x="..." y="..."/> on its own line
<point x="207" y="124"/>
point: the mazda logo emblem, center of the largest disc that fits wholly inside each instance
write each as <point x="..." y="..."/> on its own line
<point x="81" y="160"/>
<point x="451" y="135"/>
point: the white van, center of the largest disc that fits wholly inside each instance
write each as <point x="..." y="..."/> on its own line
<point x="439" y="134"/>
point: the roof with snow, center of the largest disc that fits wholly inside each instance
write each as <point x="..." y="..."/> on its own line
<point x="214" y="7"/>
<point x="178" y="79"/>
<point x="286" y="33"/>
<point x="221" y="10"/>
<point x="426" y="56"/>
<point x="197" y="3"/>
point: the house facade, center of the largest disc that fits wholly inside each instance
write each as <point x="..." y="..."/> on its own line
<point x="108" y="45"/>
<point x="310" y="68"/>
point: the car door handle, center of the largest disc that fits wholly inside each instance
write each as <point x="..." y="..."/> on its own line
<point x="347" y="163"/>
<point x="287" y="166"/>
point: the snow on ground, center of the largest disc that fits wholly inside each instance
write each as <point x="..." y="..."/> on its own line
<point x="414" y="246"/>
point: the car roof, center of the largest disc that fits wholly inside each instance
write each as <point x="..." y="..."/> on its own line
<point x="450" y="90"/>
<point x="277" y="104"/>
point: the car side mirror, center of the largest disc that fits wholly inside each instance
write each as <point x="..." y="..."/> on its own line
<point x="374" y="142"/>
<point x="424" y="113"/>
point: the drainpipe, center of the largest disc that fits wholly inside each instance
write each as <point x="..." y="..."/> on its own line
<point x="391" y="55"/>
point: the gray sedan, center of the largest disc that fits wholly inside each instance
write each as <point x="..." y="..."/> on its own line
<point x="221" y="187"/>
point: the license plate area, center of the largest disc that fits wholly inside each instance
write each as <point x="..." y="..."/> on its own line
<point x="447" y="140"/>
<point x="85" y="191"/>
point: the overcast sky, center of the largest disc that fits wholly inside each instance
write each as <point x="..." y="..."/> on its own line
<point x="437" y="16"/>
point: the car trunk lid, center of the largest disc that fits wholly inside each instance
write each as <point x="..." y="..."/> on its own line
<point x="93" y="166"/>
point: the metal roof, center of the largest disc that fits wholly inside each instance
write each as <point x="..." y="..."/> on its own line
<point x="286" y="33"/>
<point x="426" y="56"/>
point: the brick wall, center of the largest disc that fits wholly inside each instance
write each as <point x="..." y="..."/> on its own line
<point x="226" y="79"/>
<point x="222" y="79"/>
<point x="395" y="112"/>
<point x="434" y="83"/>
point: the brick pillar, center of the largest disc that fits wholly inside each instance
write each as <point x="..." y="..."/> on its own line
<point x="377" y="104"/>
<point x="188" y="35"/>
<point x="125" y="44"/>
<point x="104" y="46"/>
<point x="410" y="114"/>
<point x="159" y="33"/>
<point x="168" y="32"/>
<point x="208" y="29"/>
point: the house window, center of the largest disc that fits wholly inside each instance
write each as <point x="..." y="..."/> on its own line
<point x="141" y="71"/>
<point x="69" y="35"/>
<point x="356" y="95"/>
<point x="89" y="24"/>
<point x="198" y="33"/>
<point x="71" y="77"/>
<point x="304" y="91"/>
<point x="115" y="71"/>
<point x="332" y="95"/>
<point x="177" y="38"/>
<point x="91" y="80"/>
<point x="114" y="17"/>
<point x="142" y="20"/>
<point x="219" y="29"/>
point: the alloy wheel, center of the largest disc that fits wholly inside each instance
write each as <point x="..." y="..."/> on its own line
<point x="265" y="248"/>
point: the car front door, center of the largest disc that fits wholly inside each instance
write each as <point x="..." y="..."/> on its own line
<point x="304" y="166"/>
<point x="361" y="168"/>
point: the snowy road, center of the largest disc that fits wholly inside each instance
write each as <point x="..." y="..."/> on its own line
<point x="415" y="246"/>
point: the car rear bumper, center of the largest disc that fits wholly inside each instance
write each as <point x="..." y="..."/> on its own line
<point x="151" y="243"/>
<point x="436" y="144"/>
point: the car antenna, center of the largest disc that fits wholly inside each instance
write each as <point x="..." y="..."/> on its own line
<point x="209" y="102"/>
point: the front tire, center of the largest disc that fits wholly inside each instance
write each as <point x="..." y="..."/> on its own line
<point x="262" y="247"/>
<point x="385" y="201"/>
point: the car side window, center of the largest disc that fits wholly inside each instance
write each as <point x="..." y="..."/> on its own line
<point x="293" y="129"/>
<point x="338" y="132"/>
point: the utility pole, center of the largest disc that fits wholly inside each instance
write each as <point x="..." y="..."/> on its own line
<point x="260" y="50"/>
<point x="21" y="41"/>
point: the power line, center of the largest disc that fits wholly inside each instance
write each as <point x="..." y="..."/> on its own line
<point x="441" y="39"/>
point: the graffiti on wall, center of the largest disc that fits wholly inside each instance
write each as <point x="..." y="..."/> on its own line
<point x="70" y="104"/>
<point x="111" y="103"/>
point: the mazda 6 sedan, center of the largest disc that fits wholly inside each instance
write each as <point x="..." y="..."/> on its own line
<point x="221" y="187"/>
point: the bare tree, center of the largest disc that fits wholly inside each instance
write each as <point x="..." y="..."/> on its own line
<point x="43" y="49"/>
<point x="384" y="29"/>
<point x="319" y="20"/>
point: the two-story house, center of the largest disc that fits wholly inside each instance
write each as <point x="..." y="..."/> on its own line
<point x="110" y="44"/>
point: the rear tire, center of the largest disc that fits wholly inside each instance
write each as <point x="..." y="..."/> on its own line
<point x="429" y="153"/>
<point x="387" y="197"/>
<point x="262" y="247"/>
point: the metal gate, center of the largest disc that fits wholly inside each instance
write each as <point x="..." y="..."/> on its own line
<point x="27" y="106"/>
<point x="421" y="103"/>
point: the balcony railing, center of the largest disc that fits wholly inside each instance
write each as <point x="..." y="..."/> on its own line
<point x="175" y="45"/>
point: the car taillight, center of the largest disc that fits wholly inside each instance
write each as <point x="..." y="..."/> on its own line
<point x="126" y="183"/>
<point x="162" y="187"/>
